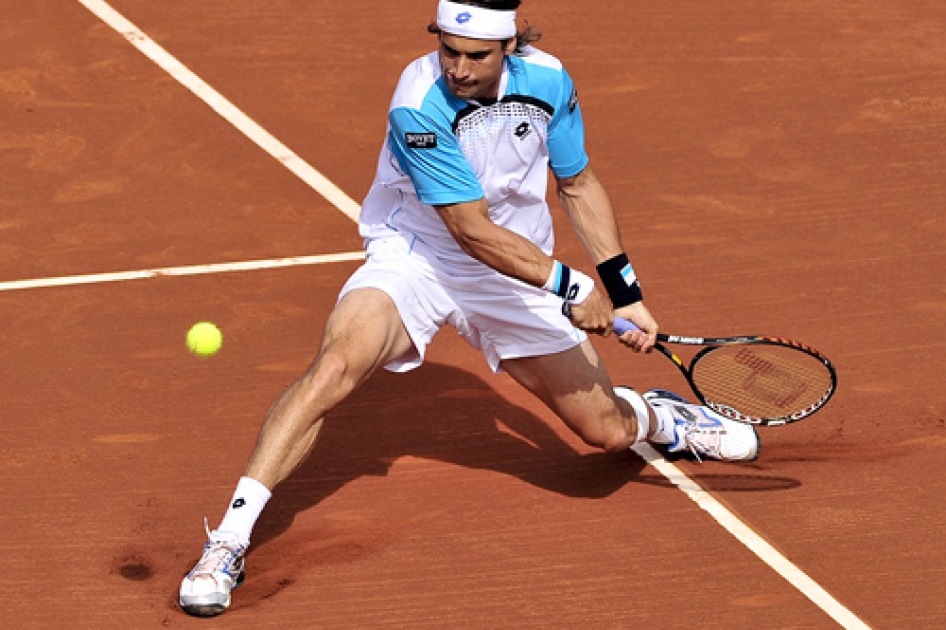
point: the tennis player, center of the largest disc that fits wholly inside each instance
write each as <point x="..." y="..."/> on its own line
<point x="458" y="232"/>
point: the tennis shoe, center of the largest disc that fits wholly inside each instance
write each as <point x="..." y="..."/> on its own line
<point x="205" y="591"/>
<point x="704" y="432"/>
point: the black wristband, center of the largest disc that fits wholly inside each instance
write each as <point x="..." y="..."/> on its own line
<point x="619" y="281"/>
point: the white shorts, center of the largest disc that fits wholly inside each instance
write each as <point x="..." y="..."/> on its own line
<point x="502" y="317"/>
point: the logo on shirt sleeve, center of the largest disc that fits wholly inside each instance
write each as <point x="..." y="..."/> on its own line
<point x="573" y="101"/>
<point x="421" y="140"/>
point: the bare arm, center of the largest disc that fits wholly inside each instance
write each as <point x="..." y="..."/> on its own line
<point x="517" y="257"/>
<point x="589" y="209"/>
<point x="591" y="214"/>
<point x="495" y="246"/>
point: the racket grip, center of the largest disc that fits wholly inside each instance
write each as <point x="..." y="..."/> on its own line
<point x="622" y="326"/>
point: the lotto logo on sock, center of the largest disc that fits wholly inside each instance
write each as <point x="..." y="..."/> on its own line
<point x="239" y="503"/>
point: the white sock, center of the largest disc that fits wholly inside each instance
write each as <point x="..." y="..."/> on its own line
<point x="640" y="410"/>
<point x="247" y="504"/>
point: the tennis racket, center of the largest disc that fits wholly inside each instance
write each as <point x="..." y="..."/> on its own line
<point x="754" y="379"/>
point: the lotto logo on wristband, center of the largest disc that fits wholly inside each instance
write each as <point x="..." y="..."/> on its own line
<point x="628" y="274"/>
<point x="568" y="284"/>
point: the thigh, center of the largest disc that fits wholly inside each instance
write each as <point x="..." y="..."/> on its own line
<point x="576" y="386"/>
<point x="411" y="287"/>
<point x="366" y="329"/>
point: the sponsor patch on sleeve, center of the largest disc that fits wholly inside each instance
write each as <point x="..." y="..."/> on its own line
<point x="421" y="140"/>
<point x="573" y="101"/>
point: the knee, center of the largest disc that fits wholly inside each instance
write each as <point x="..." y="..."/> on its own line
<point x="613" y="434"/>
<point x="329" y="371"/>
<point x="324" y="384"/>
<point x="618" y="440"/>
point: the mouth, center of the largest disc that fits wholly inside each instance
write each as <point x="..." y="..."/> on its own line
<point x="459" y="85"/>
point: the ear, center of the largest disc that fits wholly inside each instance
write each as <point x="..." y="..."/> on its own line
<point x="510" y="46"/>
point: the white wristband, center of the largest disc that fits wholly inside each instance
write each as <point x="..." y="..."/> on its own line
<point x="572" y="286"/>
<point x="580" y="288"/>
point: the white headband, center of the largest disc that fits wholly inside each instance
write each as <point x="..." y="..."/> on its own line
<point x="475" y="22"/>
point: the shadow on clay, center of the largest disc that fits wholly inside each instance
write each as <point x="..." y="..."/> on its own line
<point x="437" y="413"/>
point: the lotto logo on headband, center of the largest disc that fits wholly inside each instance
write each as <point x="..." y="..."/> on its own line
<point x="464" y="17"/>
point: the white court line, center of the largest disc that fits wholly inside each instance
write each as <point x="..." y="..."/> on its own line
<point x="194" y="270"/>
<point x="756" y="544"/>
<point x="225" y="108"/>
<point x="795" y="576"/>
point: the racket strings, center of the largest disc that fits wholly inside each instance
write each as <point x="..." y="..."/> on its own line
<point x="763" y="380"/>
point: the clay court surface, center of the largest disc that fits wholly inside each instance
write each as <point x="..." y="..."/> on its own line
<point x="778" y="168"/>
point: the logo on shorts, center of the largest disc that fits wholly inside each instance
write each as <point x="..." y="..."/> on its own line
<point x="523" y="130"/>
<point x="421" y="140"/>
<point x="464" y="17"/>
<point x="239" y="503"/>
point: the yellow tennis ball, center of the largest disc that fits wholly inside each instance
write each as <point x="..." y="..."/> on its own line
<point x="204" y="339"/>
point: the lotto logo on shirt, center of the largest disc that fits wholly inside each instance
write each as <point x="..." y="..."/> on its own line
<point x="573" y="101"/>
<point x="421" y="140"/>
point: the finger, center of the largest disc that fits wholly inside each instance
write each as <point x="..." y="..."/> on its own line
<point x="605" y="329"/>
<point x="647" y="342"/>
<point x="634" y="340"/>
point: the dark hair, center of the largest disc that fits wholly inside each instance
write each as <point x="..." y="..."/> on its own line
<point x="495" y="5"/>
<point x="529" y="35"/>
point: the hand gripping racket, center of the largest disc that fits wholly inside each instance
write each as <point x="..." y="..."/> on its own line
<point x="754" y="379"/>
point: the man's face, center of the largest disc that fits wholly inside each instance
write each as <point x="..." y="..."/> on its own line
<point x="472" y="67"/>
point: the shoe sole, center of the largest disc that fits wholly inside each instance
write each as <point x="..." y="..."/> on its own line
<point x="758" y="446"/>
<point x="209" y="605"/>
<point x="205" y="610"/>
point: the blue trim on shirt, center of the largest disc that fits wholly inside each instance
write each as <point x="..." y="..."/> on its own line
<point x="440" y="173"/>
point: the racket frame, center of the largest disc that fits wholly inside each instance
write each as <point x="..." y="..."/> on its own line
<point x="622" y="326"/>
<point x="712" y="343"/>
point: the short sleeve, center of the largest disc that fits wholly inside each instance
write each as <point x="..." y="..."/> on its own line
<point x="429" y="154"/>
<point x="566" y="142"/>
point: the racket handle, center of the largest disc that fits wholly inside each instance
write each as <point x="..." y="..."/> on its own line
<point x="622" y="326"/>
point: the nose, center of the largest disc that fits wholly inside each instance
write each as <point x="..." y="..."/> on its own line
<point x="461" y="70"/>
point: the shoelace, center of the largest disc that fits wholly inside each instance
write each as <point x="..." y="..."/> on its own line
<point x="218" y="555"/>
<point x="692" y="429"/>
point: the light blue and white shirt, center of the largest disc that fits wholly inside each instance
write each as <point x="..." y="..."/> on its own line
<point x="441" y="149"/>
